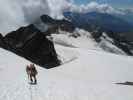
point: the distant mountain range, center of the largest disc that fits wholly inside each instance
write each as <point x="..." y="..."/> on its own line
<point x="105" y="22"/>
<point x="128" y="16"/>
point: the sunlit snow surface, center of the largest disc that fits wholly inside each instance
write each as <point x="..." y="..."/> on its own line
<point x="86" y="41"/>
<point x="85" y="75"/>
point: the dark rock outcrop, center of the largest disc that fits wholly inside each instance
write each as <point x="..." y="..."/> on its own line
<point x="117" y="40"/>
<point x="2" y="42"/>
<point x="63" y="24"/>
<point x="121" y="42"/>
<point x="126" y="83"/>
<point x="32" y="44"/>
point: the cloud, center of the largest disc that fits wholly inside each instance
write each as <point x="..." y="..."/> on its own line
<point x="11" y="16"/>
<point x="95" y="7"/>
<point x="58" y="6"/>
<point x="17" y="13"/>
<point x="32" y="9"/>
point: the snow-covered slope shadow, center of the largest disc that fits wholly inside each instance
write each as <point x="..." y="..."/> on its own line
<point x="89" y="77"/>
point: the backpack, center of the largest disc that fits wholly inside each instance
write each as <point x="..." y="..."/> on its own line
<point x="33" y="70"/>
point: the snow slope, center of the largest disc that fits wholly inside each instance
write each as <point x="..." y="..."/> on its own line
<point x="83" y="41"/>
<point x="85" y="75"/>
<point x="86" y="41"/>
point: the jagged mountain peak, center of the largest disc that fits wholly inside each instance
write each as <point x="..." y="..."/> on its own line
<point x="33" y="45"/>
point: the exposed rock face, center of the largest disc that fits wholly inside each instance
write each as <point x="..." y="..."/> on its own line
<point x="2" y="43"/>
<point x="1" y="38"/>
<point x="63" y="24"/>
<point x="32" y="44"/>
<point x="116" y="39"/>
<point x="121" y="42"/>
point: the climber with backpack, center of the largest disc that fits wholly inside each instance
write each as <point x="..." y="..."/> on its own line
<point x="32" y="72"/>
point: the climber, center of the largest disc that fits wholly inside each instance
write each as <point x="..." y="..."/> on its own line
<point x="32" y="72"/>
